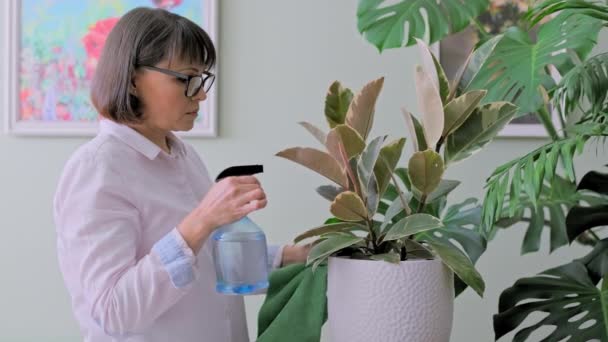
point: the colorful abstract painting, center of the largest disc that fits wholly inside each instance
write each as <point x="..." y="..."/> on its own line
<point x="59" y="44"/>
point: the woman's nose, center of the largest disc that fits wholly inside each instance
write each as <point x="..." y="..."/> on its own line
<point x="200" y="96"/>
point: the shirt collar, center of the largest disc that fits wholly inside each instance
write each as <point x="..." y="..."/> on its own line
<point x="138" y="142"/>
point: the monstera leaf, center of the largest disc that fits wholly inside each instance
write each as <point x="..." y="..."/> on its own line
<point x="576" y="308"/>
<point x="515" y="70"/>
<point x="581" y="219"/>
<point x="462" y="222"/>
<point x="383" y="22"/>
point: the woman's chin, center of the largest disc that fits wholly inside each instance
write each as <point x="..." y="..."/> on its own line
<point x="184" y="126"/>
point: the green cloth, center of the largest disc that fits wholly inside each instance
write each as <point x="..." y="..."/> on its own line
<point x="295" y="307"/>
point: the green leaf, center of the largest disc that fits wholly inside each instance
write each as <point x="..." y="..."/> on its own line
<point x="394" y="209"/>
<point x="329" y="192"/>
<point x="478" y="130"/>
<point x="386" y="163"/>
<point x="425" y="170"/>
<point x="415" y="250"/>
<point x="529" y="186"/>
<point x="348" y="206"/>
<point x="365" y="166"/>
<point x="596" y="261"/>
<point x="411" y="225"/>
<point x="515" y="190"/>
<point x="581" y="219"/>
<point x="337" y="101"/>
<point x="568" y="150"/>
<point x="531" y="242"/>
<point x="403" y="174"/>
<point x="460" y="264"/>
<point x="360" y="115"/>
<point x="331" y="245"/>
<point x="462" y="222"/>
<point x="459" y="109"/>
<point x="318" y="161"/>
<point x="350" y="140"/>
<point x="559" y="235"/>
<point x="382" y="22"/>
<point x="515" y="70"/>
<point x="443" y="189"/>
<point x="476" y="60"/>
<point x="393" y="258"/>
<point x="585" y="83"/>
<point x="416" y="131"/>
<point x="444" y="83"/>
<point x="372" y="199"/>
<point x="330" y="228"/>
<point x="315" y="131"/>
<point x="564" y="293"/>
<point x="544" y="9"/>
<point x="433" y="68"/>
<point x="534" y="169"/>
<point x="429" y="102"/>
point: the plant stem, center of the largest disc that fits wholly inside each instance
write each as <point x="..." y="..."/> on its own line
<point x="408" y="211"/>
<point x="421" y="205"/>
<point x="370" y="224"/>
<point x="482" y="30"/>
<point x="349" y="172"/>
<point x="545" y="119"/>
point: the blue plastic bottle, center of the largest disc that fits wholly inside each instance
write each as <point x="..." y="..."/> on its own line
<point x="239" y="249"/>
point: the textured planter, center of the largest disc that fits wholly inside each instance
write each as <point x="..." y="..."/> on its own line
<point x="378" y="301"/>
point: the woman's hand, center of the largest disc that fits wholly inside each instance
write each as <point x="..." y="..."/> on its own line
<point x="294" y="254"/>
<point x="227" y="201"/>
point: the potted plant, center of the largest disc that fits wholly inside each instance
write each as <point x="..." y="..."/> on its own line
<point x="390" y="243"/>
<point x="539" y="188"/>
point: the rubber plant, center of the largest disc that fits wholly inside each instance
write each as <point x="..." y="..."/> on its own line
<point x="392" y="214"/>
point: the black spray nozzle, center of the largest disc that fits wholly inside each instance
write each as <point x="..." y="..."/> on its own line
<point x="241" y="170"/>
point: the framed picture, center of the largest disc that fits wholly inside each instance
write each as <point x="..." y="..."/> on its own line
<point x="454" y="50"/>
<point x="52" y="49"/>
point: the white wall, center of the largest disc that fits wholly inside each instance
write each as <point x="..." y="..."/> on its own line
<point x="278" y="57"/>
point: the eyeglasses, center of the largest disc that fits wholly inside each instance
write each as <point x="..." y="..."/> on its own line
<point x="193" y="83"/>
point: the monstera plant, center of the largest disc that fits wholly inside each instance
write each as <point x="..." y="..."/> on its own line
<point x="390" y="213"/>
<point x="542" y="64"/>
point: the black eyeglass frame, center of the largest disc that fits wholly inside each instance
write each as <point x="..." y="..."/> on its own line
<point x="205" y="77"/>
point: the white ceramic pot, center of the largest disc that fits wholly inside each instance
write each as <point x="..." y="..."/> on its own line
<point x="373" y="301"/>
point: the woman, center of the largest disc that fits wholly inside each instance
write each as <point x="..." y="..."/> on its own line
<point x="135" y="206"/>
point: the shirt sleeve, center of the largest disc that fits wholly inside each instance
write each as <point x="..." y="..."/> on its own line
<point x="98" y="230"/>
<point x="275" y="256"/>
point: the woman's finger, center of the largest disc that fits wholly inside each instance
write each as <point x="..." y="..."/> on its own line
<point x="253" y="195"/>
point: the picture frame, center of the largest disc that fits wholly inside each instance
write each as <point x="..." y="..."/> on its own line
<point x="48" y="67"/>
<point x="453" y="51"/>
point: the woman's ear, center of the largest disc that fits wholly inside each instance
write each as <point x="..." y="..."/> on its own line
<point x="133" y="84"/>
<point x="133" y="87"/>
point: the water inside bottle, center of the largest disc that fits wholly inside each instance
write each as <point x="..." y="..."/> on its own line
<point x="241" y="262"/>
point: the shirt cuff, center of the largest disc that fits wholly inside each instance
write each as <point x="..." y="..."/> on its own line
<point x="275" y="256"/>
<point x="177" y="257"/>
